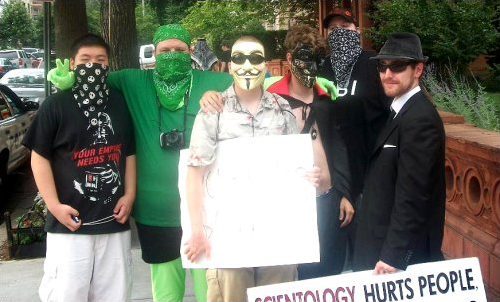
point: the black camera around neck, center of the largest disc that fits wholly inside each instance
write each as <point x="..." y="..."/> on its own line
<point x="174" y="139"/>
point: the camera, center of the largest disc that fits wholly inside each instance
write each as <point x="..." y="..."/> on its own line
<point x="174" y="139"/>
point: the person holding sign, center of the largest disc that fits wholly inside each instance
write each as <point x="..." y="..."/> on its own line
<point x="401" y="219"/>
<point x="248" y="111"/>
<point x="316" y="114"/>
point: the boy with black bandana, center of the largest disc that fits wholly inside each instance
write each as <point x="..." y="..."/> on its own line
<point x="83" y="161"/>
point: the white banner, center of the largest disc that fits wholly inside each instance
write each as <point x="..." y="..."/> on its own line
<point x="457" y="280"/>
<point x="259" y="210"/>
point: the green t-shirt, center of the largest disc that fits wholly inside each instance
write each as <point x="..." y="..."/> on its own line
<point x="158" y="202"/>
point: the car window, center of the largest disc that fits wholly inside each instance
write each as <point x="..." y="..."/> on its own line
<point x="8" y="54"/>
<point x="148" y="52"/>
<point x="13" y="108"/>
<point x="23" y="78"/>
<point x="5" y="62"/>
<point x="5" y="111"/>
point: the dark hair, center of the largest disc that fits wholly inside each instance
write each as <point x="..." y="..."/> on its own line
<point x="88" y="40"/>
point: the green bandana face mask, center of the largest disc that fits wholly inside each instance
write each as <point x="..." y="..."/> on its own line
<point x="172" y="76"/>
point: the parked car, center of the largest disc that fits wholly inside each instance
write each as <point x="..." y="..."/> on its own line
<point x="36" y="58"/>
<point x="41" y="62"/>
<point x="5" y="65"/>
<point x="17" y="57"/>
<point x="147" y="56"/>
<point x="15" y="118"/>
<point x="28" y="83"/>
<point x="30" y="50"/>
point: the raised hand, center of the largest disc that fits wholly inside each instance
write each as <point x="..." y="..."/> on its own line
<point x="61" y="76"/>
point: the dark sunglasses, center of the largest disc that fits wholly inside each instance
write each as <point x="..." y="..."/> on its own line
<point x="254" y="58"/>
<point x="394" y="66"/>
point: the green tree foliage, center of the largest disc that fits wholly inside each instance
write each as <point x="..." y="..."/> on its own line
<point x="227" y="20"/>
<point x="93" y="8"/>
<point x="145" y="19"/>
<point x="16" y="27"/>
<point x="38" y="31"/>
<point x="173" y="10"/>
<point x="452" y="32"/>
<point x="300" y="11"/>
<point x="216" y="20"/>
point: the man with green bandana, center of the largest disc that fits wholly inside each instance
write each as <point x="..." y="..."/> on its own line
<point x="163" y="104"/>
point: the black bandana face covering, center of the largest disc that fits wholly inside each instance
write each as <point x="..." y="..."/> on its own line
<point x="346" y="49"/>
<point x="90" y="89"/>
<point x="91" y="93"/>
<point x="304" y="65"/>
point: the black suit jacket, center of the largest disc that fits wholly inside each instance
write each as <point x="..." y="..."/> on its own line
<point x="402" y="212"/>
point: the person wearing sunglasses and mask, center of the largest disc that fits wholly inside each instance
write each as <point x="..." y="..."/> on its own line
<point x="248" y="111"/>
<point x="313" y="110"/>
<point x="163" y="103"/>
<point x="361" y="105"/>
<point x="402" y="218"/>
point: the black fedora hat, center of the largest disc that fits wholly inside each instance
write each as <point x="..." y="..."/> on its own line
<point x="401" y="45"/>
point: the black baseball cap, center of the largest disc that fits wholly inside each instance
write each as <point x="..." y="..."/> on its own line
<point x="341" y="12"/>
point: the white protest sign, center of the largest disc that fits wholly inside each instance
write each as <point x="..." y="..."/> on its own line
<point x="259" y="210"/>
<point x="457" y="280"/>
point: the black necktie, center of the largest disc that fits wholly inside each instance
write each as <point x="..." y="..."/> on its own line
<point x="391" y="116"/>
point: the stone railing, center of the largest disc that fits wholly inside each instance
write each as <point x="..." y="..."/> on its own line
<point x="473" y="198"/>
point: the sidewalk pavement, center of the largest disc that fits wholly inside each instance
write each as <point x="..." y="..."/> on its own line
<point x="20" y="279"/>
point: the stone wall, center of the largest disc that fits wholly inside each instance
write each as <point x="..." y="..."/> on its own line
<point x="473" y="198"/>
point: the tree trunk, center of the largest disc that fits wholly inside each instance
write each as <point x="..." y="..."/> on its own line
<point x="70" y="22"/>
<point x="119" y="30"/>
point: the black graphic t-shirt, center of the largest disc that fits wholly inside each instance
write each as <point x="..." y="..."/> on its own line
<point x="87" y="159"/>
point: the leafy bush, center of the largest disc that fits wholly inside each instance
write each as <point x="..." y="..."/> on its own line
<point x="454" y="32"/>
<point x="453" y="92"/>
<point x="29" y="223"/>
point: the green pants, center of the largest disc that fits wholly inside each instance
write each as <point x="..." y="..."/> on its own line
<point x="168" y="282"/>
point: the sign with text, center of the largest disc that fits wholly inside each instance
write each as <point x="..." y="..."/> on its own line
<point x="259" y="210"/>
<point x="457" y="280"/>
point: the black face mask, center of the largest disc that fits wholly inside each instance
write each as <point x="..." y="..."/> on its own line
<point x="90" y="89"/>
<point x="346" y="48"/>
<point x="91" y="93"/>
<point x="304" y="65"/>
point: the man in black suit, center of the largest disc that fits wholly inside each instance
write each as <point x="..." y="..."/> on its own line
<point x="402" y="213"/>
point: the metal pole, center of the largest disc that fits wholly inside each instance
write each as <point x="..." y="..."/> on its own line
<point x="46" y="44"/>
